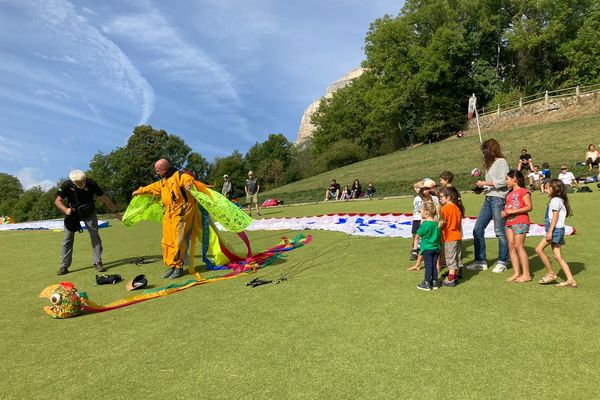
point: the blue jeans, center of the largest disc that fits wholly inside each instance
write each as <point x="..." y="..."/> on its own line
<point x="430" y="258"/>
<point x="491" y="209"/>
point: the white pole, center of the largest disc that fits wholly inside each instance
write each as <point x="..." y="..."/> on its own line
<point x="477" y="117"/>
<point x="478" y="127"/>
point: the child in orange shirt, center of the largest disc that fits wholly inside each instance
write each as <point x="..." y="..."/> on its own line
<point x="451" y="225"/>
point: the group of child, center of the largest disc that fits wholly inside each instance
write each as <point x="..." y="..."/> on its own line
<point x="437" y="230"/>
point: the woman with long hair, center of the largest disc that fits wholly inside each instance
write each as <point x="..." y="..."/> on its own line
<point x="494" y="185"/>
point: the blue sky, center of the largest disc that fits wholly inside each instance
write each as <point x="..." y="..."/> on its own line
<point x="77" y="76"/>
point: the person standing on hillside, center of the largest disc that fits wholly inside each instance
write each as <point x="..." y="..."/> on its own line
<point x="252" y="188"/>
<point x="181" y="218"/>
<point x="495" y="194"/>
<point x="79" y="192"/>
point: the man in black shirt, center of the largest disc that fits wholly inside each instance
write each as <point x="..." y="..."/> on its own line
<point x="333" y="192"/>
<point x="79" y="192"/>
<point x="252" y="188"/>
<point x="525" y="161"/>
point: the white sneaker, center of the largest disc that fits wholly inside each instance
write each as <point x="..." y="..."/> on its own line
<point x="499" y="268"/>
<point x="477" y="266"/>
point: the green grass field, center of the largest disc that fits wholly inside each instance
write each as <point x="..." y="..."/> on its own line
<point x="347" y="324"/>
<point x="555" y="142"/>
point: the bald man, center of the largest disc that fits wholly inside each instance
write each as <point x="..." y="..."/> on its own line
<point x="181" y="219"/>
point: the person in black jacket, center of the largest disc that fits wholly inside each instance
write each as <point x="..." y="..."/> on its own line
<point x="79" y="192"/>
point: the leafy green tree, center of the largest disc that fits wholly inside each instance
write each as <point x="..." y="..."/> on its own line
<point x="27" y="207"/>
<point x="232" y="165"/>
<point x="126" y="168"/>
<point x="198" y="165"/>
<point x="10" y="192"/>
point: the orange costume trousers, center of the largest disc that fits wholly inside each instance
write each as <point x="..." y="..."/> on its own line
<point x="181" y="218"/>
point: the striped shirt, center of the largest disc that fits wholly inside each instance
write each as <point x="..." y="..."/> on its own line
<point x="497" y="173"/>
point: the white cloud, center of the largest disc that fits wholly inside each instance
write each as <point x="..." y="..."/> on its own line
<point x="57" y="94"/>
<point x="30" y="177"/>
<point x="178" y="59"/>
<point x="94" y="52"/>
<point x="65" y="59"/>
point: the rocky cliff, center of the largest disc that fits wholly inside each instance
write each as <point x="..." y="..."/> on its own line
<point x="306" y="127"/>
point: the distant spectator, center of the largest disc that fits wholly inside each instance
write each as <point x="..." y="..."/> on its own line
<point x="525" y="161"/>
<point x="446" y="178"/>
<point x="460" y="134"/>
<point x="534" y="178"/>
<point x="356" y="190"/>
<point x="591" y="157"/>
<point x="370" y="190"/>
<point x="546" y="176"/>
<point x="345" y="194"/>
<point x="227" y="189"/>
<point x="252" y="188"/>
<point x="567" y="178"/>
<point x="333" y="192"/>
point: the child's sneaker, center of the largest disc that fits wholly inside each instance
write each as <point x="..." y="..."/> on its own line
<point x="477" y="266"/>
<point x="448" y="283"/>
<point x="435" y="285"/>
<point x="424" y="286"/>
<point x="414" y="254"/>
<point x="499" y="268"/>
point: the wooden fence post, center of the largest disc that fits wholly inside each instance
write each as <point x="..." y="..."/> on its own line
<point x="520" y="102"/>
<point x="546" y="98"/>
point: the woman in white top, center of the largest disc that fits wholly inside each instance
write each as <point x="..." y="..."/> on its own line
<point x="591" y="157"/>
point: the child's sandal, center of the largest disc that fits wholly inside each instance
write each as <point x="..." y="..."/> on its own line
<point x="548" y="278"/>
<point x="567" y="284"/>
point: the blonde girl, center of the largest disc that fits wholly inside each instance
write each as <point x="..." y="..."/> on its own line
<point x="516" y="212"/>
<point x="430" y="235"/>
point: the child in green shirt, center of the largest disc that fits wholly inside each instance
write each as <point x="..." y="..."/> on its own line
<point x="430" y="235"/>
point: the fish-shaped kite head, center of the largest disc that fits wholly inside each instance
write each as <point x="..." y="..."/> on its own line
<point x="66" y="300"/>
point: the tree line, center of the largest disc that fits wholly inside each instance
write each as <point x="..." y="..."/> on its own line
<point x="422" y="65"/>
<point x="126" y="168"/>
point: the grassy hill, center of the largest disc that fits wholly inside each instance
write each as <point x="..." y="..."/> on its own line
<point x="562" y="141"/>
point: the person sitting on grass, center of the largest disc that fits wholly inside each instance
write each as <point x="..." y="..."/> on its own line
<point x="534" y="178"/>
<point x="356" y="190"/>
<point x="568" y="178"/>
<point x="546" y="176"/>
<point x="591" y="157"/>
<point x="525" y="161"/>
<point x="370" y="190"/>
<point x="345" y="194"/>
<point x="333" y="192"/>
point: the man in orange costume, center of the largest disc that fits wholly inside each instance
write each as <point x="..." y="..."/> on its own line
<point x="181" y="218"/>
